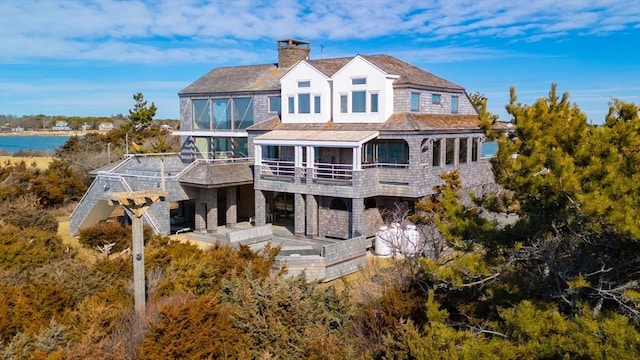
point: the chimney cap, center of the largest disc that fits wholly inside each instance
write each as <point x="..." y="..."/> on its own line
<point x="293" y="42"/>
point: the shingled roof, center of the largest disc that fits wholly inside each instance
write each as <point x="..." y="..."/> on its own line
<point x="396" y="122"/>
<point x="218" y="175"/>
<point x="250" y="78"/>
<point x="266" y="77"/>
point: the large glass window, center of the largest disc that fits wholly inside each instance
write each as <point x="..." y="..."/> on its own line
<point x="437" y="152"/>
<point x="392" y="152"/>
<point x="462" y="150"/>
<point x="450" y="149"/>
<point x="242" y="113"/>
<point x="274" y="104"/>
<point x="221" y="114"/>
<point x="374" y="103"/>
<point x="343" y="104"/>
<point x="358" y="101"/>
<point x="316" y="104"/>
<point x="304" y="104"/>
<point x="454" y="104"/>
<point x="201" y="114"/>
<point x="415" y="101"/>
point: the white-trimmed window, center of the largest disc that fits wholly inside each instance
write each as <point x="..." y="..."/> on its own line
<point x="454" y="104"/>
<point x="415" y="101"/>
<point x="304" y="84"/>
<point x="373" y="103"/>
<point x="291" y="104"/>
<point x="304" y="104"/>
<point x="316" y="104"/>
<point x="359" y="81"/>
<point x="436" y="98"/>
<point x="358" y="101"/>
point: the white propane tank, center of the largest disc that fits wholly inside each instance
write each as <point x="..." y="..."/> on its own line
<point x="381" y="244"/>
<point x="411" y="244"/>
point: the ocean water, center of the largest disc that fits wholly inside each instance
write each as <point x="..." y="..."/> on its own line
<point x="489" y="148"/>
<point x="12" y="143"/>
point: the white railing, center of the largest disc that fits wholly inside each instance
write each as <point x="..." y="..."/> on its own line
<point x="333" y="172"/>
<point x="277" y="168"/>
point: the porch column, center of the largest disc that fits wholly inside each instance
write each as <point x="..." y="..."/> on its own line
<point x="310" y="163"/>
<point x="260" y="208"/>
<point x="211" y="201"/>
<point x="299" y="218"/>
<point x="201" y="216"/>
<point x="232" y="206"/>
<point x="312" y="215"/>
<point x="357" y="158"/>
<point x="357" y="211"/>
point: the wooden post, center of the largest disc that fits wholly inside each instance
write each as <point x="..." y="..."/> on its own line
<point x="137" y="203"/>
<point x="138" y="265"/>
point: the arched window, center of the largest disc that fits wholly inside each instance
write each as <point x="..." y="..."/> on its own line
<point x="338" y="204"/>
<point x="370" y="203"/>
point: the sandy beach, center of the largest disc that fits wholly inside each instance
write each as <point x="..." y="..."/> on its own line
<point x="46" y="133"/>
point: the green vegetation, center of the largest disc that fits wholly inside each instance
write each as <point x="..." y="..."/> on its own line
<point x="561" y="282"/>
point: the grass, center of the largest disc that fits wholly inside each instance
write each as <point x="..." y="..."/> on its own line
<point x="41" y="162"/>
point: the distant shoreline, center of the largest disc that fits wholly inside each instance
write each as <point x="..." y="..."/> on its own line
<point x="47" y="133"/>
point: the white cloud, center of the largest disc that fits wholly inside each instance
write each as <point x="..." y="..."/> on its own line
<point x="141" y="32"/>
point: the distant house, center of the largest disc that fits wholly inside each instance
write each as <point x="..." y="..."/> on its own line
<point x="105" y="126"/>
<point x="166" y="127"/>
<point x="61" y="126"/>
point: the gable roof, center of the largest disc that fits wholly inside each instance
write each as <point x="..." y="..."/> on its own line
<point x="266" y="77"/>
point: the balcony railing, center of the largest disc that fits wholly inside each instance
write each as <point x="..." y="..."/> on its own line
<point x="333" y="172"/>
<point x="278" y="169"/>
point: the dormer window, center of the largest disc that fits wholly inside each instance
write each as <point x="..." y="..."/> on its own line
<point x="359" y="81"/>
<point x="435" y="98"/>
<point x="454" y="104"/>
<point x="304" y="84"/>
<point x="304" y="104"/>
<point x="415" y="101"/>
<point x="358" y="101"/>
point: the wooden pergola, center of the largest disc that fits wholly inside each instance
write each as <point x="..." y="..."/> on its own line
<point x="137" y="202"/>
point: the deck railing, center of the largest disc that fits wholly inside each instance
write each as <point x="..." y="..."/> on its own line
<point x="278" y="169"/>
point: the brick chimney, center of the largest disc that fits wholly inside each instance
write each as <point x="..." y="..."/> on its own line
<point x="291" y="51"/>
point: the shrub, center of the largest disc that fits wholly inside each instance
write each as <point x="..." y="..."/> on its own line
<point x="110" y="232"/>
<point x="25" y="212"/>
<point x="29" y="248"/>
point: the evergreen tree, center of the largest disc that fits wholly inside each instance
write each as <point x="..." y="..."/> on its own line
<point x="141" y="115"/>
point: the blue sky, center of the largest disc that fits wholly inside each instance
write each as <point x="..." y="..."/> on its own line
<point x="88" y="58"/>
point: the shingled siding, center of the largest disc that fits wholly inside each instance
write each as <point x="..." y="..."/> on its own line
<point x="402" y="102"/>
<point x="133" y="174"/>
<point x="345" y="257"/>
<point x="337" y="260"/>
<point x="333" y="223"/>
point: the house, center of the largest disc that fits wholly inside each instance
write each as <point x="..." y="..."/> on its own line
<point x="105" y="126"/>
<point x="61" y="126"/>
<point x="322" y="147"/>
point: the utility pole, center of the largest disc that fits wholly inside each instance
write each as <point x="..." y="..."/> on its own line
<point x="137" y="203"/>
